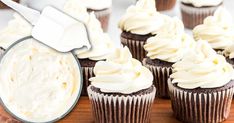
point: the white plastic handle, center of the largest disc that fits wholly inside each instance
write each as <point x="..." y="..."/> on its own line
<point x="30" y="14"/>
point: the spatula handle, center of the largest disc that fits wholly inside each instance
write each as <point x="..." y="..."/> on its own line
<point x="30" y="14"/>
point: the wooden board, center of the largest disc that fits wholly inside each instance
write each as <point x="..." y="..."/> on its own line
<point x="161" y="113"/>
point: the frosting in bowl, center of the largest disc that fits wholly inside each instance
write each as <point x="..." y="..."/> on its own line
<point x="16" y="29"/>
<point x="142" y="18"/>
<point x="202" y="3"/>
<point x="171" y="44"/>
<point x="202" y="68"/>
<point x="101" y="43"/>
<point x="97" y="4"/>
<point x="218" y="30"/>
<point x="38" y="84"/>
<point x="120" y="73"/>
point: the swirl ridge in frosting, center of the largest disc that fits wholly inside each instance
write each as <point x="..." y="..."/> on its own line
<point x="170" y="44"/>
<point x="120" y="73"/>
<point x="202" y="68"/>
<point x="101" y="43"/>
<point x="218" y="30"/>
<point x="142" y="18"/>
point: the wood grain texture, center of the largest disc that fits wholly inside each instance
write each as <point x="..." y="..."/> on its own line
<point x="162" y="113"/>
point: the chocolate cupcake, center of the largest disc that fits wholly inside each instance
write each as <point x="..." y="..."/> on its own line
<point x="121" y="90"/>
<point x="201" y="86"/>
<point x="4" y="6"/>
<point x="218" y="30"/>
<point x="102" y="10"/>
<point x="166" y="48"/>
<point x="195" y="11"/>
<point x="16" y="29"/>
<point x="102" y="46"/>
<point x="140" y="22"/>
<point x="163" y="5"/>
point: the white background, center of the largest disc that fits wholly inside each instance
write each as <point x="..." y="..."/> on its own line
<point x="119" y="8"/>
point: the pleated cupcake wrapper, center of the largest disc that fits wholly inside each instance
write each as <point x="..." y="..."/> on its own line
<point x="161" y="75"/>
<point x="136" y="48"/>
<point x="87" y="74"/>
<point x="121" y="109"/>
<point x="162" y="5"/>
<point x="193" y="16"/>
<point x="103" y="16"/>
<point x="212" y="107"/>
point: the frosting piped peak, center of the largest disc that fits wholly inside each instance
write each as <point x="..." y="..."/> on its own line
<point x="170" y="44"/>
<point x="218" y="30"/>
<point x="120" y="73"/>
<point x="101" y="43"/>
<point x="142" y="18"/>
<point x="202" y="68"/>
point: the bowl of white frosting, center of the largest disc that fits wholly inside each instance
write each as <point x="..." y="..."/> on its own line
<point x="37" y="83"/>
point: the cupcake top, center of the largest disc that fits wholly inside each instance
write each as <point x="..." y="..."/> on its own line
<point x="218" y="30"/>
<point x="50" y="80"/>
<point x="76" y="9"/>
<point x="229" y="51"/>
<point x="202" y="3"/>
<point x="202" y="68"/>
<point x="171" y="44"/>
<point x="121" y="73"/>
<point x="97" y="4"/>
<point x="142" y="18"/>
<point x="101" y="43"/>
<point x="16" y="29"/>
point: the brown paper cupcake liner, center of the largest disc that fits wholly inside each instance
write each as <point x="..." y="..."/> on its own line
<point x="161" y="75"/>
<point x="87" y="74"/>
<point x="121" y="109"/>
<point x="200" y="107"/>
<point x="193" y="16"/>
<point x="135" y="47"/>
<point x="103" y="16"/>
<point x="4" y="6"/>
<point x="163" y="5"/>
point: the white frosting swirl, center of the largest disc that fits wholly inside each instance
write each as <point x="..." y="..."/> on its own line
<point x="120" y="73"/>
<point x="16" y="29"/>
<point x="203" y="68"/>
<point x="96" y="4"/>
<point x="202" y="3"/>
<point x="38" y="84"/>
<point x="76" y="9"/>
<point x="171" y="44"/>
<point x="218" y="30"/>
<point x="101" y="43"/>
<point x="142" y="18"/>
